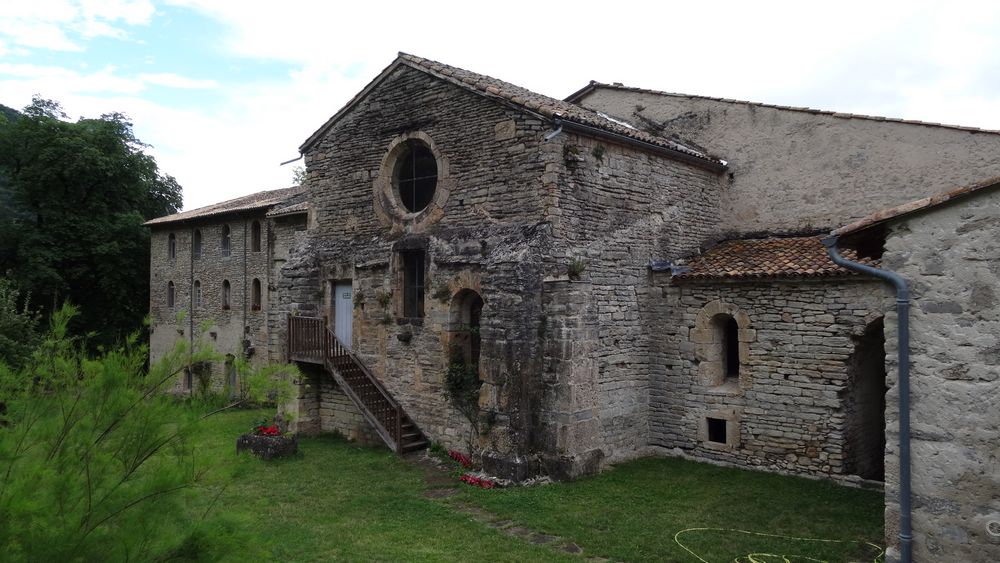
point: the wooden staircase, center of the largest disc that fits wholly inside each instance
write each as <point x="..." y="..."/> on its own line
<point x="310" y="341"/>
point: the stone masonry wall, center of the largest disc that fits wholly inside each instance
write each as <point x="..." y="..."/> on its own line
<point x="224" y="330"/>
<point x="785" y="412"/>
<point x="951" y="259"/>
<point x="793" y="170"/>
<point x="616" y="207"/>
<point x="482" y="233"/>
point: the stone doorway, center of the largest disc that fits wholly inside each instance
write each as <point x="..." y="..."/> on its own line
<point x="865" y="405"/>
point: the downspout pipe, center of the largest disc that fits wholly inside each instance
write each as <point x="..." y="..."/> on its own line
<point x="903" y="331"/>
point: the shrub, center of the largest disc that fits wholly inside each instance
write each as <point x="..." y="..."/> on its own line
<point x="96" y="461"/>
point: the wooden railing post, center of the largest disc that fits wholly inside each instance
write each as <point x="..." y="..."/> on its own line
<point x="399" y="430"/>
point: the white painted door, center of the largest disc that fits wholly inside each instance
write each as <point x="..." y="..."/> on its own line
<point x="343" y="312"/>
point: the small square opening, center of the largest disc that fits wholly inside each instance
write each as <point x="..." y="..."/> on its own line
<point x="717" y="430"/>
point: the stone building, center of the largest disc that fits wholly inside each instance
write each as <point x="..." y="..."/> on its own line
<point x="628" y="272"/>
<point x="211" y="274"/>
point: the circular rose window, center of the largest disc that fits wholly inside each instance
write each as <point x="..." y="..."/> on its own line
<point x="415" y="176"/>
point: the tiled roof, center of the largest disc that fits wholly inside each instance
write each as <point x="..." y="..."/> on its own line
<point x="291" y="209"/>
<point x="259" y="200"/>
<point x="767" y="258"/>
<point x="575" y="97"/>
<point x="542" y="105"/>
<point x="914" y="206"/>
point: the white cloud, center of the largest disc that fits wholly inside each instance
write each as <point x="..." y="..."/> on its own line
<point x="919" y="60"/>
<point x="171" y="80"/>
<point x="49" y="24"/>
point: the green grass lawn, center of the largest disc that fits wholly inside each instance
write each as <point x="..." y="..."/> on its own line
<point x="339" y="501"/>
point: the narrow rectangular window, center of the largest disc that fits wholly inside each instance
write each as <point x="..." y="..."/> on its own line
<point x="413" y="283"/>
<point x="255" y="235"/>
<point x="196" y="245"/>
<point x="227" y="237"/>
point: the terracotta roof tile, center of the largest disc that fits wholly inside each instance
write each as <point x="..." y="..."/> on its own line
<point x="259" y="200"/>
<point x="767" y="258"/>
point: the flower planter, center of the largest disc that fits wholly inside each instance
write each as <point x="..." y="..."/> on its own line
<point x="268" y="447"/>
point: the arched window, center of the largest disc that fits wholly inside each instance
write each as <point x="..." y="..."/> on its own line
<point x="255" y="236"/>
<point x="226" y="294"/>
<point x="197" y="293"/>
<point x="723" y="337"/>
<point x="256" y="295"/>
<point x="196" y="244"/>
<point x="227" y="237"/>
<point x="171" y="246"/>
<point x="170" y="294"/>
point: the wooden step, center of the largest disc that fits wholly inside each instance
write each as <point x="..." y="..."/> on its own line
<point x="414" y="446"/>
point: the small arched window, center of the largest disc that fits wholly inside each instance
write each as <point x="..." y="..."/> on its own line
<point x="172" y="246"/>
<point x="227" y="238"/>
<point x="196" y="244"/>
<point x="256" y="296"/>
<point x="255" y="236"/>
<point x="197" y="293"/>
<point x="226" y="294"/>
<point x="170" y="294"/>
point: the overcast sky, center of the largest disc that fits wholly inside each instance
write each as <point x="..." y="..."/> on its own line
<point x="226" y="90"/>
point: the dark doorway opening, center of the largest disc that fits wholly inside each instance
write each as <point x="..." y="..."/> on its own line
<point x="865" y="405"/>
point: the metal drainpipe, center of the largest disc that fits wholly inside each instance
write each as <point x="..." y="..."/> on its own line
<point x="903" y="331"/>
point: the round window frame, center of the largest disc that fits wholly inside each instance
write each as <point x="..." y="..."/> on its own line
<point x="387" y="202"/>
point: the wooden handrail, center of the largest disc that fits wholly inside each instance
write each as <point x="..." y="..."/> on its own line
<point x="311" y="340"/>
<point x="345" y="351"/>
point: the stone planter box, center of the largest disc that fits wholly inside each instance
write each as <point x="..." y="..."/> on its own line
<point x="268" y="447"/>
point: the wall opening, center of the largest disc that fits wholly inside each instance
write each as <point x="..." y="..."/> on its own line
<point x="256" y="295"/>
<point x="465" y="319"/>
<point x="196" y="244"/>
<point x="415" y="176"/>
<point x="722" y="338"/>
<point x="197" y="293"/>
<point x="171" y="246"/>
<point x="413" y="282"/>
<point x="227" y="239"/>
<point x="716" y="430"/>
<point x="731" y="347"/>
<point x="865" y="405"/>
<point x="170" y="294"/>
<point x="227" y="294"/>
<point x="255" y="237"/>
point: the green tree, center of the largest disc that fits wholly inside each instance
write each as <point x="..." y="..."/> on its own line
<point x="75" y="198"/>
<point x="18" y="326"/>
<point x="95" y="462"/>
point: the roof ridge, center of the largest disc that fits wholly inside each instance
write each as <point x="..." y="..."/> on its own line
<point x="803" y="109"/>
<point x="545" y="105"/>
<point x="542" y="105"/>
<point x="248" y="202"/>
